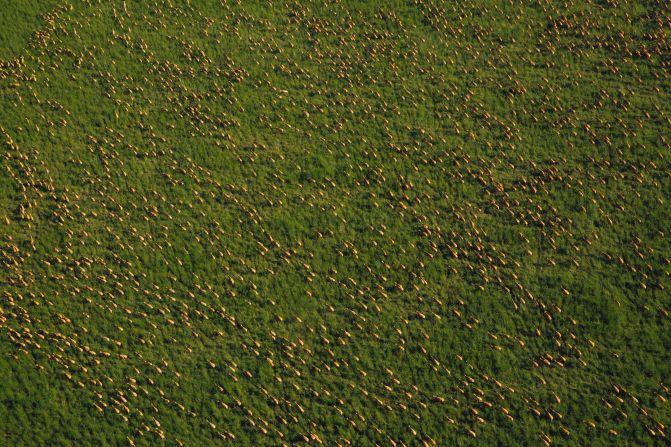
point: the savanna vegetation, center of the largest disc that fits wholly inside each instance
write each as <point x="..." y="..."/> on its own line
<point x="339" y="223"/>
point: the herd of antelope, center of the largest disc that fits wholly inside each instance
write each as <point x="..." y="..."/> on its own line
<point x="324" y="223"/>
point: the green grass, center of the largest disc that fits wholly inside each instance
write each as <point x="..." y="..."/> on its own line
<point x="368" y="223"/>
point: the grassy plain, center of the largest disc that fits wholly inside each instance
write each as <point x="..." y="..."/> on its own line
<point x="335" y="222"/>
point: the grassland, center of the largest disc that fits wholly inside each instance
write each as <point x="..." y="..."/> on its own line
<point x="364" y="223"/>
